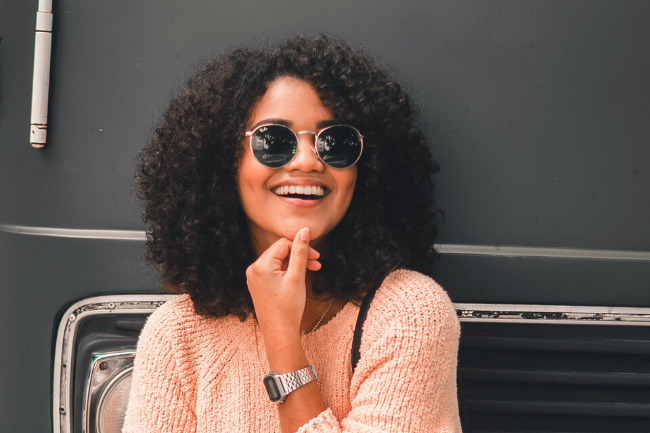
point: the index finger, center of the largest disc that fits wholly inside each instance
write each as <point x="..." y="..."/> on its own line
<point x="299" y="256"/>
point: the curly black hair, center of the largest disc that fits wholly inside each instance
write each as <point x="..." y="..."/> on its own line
<point x="198" y="235"/>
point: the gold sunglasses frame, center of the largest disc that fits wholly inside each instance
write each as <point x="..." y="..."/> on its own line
<point x="250" y="133"/>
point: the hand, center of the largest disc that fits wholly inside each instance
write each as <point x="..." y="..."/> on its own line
<point x="276" y="282"/>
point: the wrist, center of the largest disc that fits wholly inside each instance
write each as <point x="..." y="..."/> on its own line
<point x="285" y="352"/>
<point x="276" y="327"/>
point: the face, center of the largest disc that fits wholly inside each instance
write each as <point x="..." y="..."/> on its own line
<point x="271" y="213"/>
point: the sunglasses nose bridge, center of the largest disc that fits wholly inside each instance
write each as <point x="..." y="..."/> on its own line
<point x="312" y="144"/>
<point x="315" y="134"/>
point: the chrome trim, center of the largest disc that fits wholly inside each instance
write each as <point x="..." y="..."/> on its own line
<point x="65" y="340"/>
<point x="123" y="235"/>
<point x="444" y="249"/>
<point x="552" y="252"/>
<point x="552" y="314"/>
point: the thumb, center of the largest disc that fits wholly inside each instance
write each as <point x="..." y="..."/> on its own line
<point x="299" y="256"/>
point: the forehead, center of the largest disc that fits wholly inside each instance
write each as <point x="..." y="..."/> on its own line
<point x="292" y="100"/>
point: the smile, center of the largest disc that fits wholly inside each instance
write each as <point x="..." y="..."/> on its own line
<point x="304" y="192"/>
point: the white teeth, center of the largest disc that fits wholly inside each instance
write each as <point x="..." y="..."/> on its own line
<point x="303" y="190"/>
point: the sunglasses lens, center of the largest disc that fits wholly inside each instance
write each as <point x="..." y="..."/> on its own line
<point x="273" y="145"/>
<point x="339" y="146"/>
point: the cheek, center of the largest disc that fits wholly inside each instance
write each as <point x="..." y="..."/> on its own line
<point x="250" y="181"/>
<point x="352" y="181"/>
<point x="347" y="181"/>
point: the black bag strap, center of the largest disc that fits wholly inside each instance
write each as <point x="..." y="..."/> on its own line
<point x="356" y="339"/>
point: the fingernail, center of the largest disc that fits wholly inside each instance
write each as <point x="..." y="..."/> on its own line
<point x="304" y="234"/>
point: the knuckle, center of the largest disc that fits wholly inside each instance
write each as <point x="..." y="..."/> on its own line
<point x="251" y="271"/>
<point x="301" y="251"/>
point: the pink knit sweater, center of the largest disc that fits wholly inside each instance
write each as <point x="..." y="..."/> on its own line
<point x="198" y="374"/>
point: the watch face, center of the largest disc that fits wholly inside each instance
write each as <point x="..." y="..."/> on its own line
<point x="272" y="389"/>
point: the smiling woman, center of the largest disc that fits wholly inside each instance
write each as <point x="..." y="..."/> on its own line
<point x="283" y="185"/>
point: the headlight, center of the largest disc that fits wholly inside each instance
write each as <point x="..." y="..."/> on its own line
<point x="107" y="392"/>
<point x="93" y="361"/>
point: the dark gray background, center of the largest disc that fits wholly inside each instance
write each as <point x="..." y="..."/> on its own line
<point x="537" y="112"/>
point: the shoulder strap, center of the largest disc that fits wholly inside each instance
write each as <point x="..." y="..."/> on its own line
<point x="358" y="329"/>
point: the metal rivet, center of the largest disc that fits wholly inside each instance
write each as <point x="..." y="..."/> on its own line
<point x="103" y="366"/>
<point x="72" y="317"/>
<point x="61" y="410"/>
<point x="111" y="305"/>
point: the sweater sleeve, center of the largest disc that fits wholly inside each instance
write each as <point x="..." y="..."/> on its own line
<point x="405" y="380"/>
<point x="157" y="401"/>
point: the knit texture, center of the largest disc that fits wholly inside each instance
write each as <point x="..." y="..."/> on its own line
<point x="197" y="374"/>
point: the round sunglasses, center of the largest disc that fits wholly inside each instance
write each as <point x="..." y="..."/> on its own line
<point x="274" y="146"/>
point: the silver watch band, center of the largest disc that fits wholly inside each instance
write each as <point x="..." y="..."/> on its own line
<point x="295" y="379"/>
<point x="279" y="386"/>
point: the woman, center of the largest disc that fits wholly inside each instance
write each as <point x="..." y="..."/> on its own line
<point x="282" y="185"/>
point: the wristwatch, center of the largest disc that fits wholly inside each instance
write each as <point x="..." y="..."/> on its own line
<point x="279" y="386"/>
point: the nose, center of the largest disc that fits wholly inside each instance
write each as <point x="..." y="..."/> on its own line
<point x="306" y="159"/>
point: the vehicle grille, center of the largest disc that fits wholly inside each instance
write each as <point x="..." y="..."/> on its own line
<point x="555" y="377"/>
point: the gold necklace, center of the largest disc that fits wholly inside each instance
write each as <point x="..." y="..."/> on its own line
<point x="324" y="314"/>
<point x="257" y="344"/>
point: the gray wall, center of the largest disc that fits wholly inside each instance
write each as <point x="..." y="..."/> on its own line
<point x="537" y="112"/>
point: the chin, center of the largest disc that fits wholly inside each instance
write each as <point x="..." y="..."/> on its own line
<point x="316" y="232"/>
